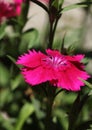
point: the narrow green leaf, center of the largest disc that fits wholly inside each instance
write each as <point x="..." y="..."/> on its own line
<point x="90" y="93"/>
<point x="37" y="105"/>
<point x="77" y="5"/>
<point x="2" y="30"/>
<point x="38" y="112"/>
<point x="22" y="19"/>
<point x="62" y="49"/>
<point x="11" y="58"/>
<point x="25" y="112"/>
<point x="72" y="7"/>
<point x="16" y="81"/>
<point x="55" y="4"/>
<point x="76" y="109"/>
<point x="71" y="49"/>
<point x="86" y="83"/>
<point x="29" y="39"/>
<point x="61" y="2"/>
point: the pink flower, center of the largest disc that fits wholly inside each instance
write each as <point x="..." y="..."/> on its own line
<point x="60" y="70"/>
<point x="9" y="9"/>
<point x="18" y="6"/>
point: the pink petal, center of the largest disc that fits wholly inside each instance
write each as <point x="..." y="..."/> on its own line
<point x="79" y="57"/>
<point x="69" y="79"/>
<point x="18" y="6"/>
<point x="53" y="53"/>
<point x="38" y="75"/>
<point x="32" y="59"/>
<point x="75" y="58"/>
<point x="60" y="70"/>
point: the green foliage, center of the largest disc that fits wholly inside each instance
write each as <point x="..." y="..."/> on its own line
<point x="4" y="75"/>
<point x="75" y="110"/>
<point x="29" y="40"/>
<point x="77" y="5"/>
<point x="87" y="83"/>
<point x="2" y="31"/>
<point x="25" y="112"/>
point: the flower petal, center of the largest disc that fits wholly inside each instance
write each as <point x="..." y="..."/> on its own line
<point x="38" y="75"/>
<point x="69" y="79"/>
<point x="32" y="59"/>
<point x="53" y="53"/>
<point x="18" y="6"/>
<point x="75" y="58"/>
<point x="60" y="70"/>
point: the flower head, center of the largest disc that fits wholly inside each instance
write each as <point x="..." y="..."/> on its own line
<point x="60" y="70"/>
<point x="18" y="6"/>
<point x="9" y="9"/>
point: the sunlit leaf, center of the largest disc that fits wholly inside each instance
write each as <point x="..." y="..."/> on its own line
<point x="16" y="81"/>
<point x="39" y="113"/>
<point x="87" y="83"/>
<point x="61" y="2"/>
<point x="74" y="6"/>
<point x="29" y="40"/>
<point x="25" y="112"/>
<point x="37" y="105"/>
<point x="63" y="121"/>
<point x="11" y="58"/>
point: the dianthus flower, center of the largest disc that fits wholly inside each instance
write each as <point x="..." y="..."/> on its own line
<point x="9" y="9"/>
<point x="60" y="70"/>
<point x="18" y="6"/>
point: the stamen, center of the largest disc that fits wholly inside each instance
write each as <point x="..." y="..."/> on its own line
<point x="55" y="62"/>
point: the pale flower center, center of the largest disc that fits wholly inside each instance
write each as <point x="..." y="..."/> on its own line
<point x="55" y="62"/>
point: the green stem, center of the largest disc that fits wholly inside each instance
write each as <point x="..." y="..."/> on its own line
<point x="58" y="92"/>
<point x="49" y="105"/>
<point x="53" y="27"/>
<point x="49" y="124"/>
<point x="76" y="109"/>
<point x="50" y="36"/>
